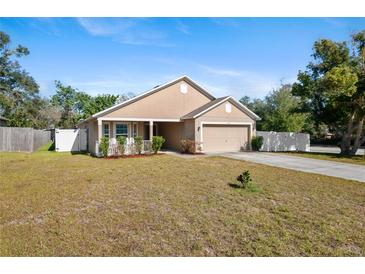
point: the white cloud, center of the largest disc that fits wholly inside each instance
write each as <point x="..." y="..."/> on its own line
<point x="226" y="22"/>
<point x="105" y="27"/>
<point x="183" y="27"/>
<point x="48" y="26"/>
<point x="117" y="84"/>
<point x="126" y="30"/>
<point x="104" y="86"/>
<point x="221" y="72"/>
<point x="223" y="81"/>
<point x="336" y="22"/>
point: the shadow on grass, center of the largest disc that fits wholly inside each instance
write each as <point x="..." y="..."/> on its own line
<point x="80" y="153"/>
<point x="253" y="188"/>
<point x="330" y="155"/>
<point x="52" y="147"/>
<point x="234" y="185"/>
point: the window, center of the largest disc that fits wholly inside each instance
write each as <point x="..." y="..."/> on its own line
<point x="135" y="130"/>
<point x="106" y="130"/>
<point x="121" y="130"/>
<point x="183" y="88"/>
<point x="228" y="108"/>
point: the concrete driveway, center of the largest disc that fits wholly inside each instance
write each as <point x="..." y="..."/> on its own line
<point x="329" y="168"/>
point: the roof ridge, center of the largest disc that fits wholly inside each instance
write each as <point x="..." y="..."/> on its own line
<point x="202" y="108"/>
<point x="151" y="91"/>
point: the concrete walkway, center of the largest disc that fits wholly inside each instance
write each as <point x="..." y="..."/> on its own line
<point x="329" y="168"/>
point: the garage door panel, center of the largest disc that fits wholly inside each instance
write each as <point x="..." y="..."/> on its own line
<point x="218" y="138"/>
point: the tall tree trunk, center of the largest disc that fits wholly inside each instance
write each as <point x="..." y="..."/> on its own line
<point x="358" y="137"/>
<point x="347" y="136"/>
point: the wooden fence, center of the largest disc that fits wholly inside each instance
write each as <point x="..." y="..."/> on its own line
<point x="22" y="139"/>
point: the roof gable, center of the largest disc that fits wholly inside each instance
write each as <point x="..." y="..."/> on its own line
<point x="199" y="111"/>
<point x="152" y="91"/>
<point x="213" y="104"/>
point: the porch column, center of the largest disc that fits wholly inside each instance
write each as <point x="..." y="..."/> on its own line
<point x="98" y="136"/>
<point x="151" y="130"/>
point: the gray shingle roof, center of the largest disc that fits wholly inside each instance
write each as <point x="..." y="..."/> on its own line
<point x="191" y="115"/>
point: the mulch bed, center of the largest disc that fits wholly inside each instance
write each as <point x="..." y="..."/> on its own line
<point x="196" y="153"/>
<point x="133" y="156"/>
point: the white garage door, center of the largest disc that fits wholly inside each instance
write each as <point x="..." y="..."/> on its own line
<point x="220" y="138"/>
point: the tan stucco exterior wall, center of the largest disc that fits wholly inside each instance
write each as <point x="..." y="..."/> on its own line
<point x="219" y="114"/>
<point x="189" y="129"/>
<point x="172" y="132"/>
<point x="169" y="103"/>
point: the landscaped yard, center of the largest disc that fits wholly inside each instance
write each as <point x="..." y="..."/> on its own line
<point x="357" y="159"/>
<point x="58" y="204"/>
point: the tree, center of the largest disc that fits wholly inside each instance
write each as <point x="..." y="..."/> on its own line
<point x="332" y="89"/>
<point x="49" y="115"/>
<point x="21" y="104"/>
<point x="76" y="105"/>
<point x="66" y="99"/>
<point x="99" y="103"/>
<point x="19" y="93"/>
<point x="278" y="111"/>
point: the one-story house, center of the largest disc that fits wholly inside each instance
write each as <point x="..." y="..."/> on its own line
<point x="180" y="109"/>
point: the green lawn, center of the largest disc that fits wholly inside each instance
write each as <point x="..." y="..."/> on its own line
<point x="357" y="159"/>
<point x="58" y="204"/>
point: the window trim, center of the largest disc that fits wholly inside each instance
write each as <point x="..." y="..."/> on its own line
<point x="104" y="135"/>
<point x="134" y="132"/>
<point x="228" y="107"/>
<point x="121" y="123"/>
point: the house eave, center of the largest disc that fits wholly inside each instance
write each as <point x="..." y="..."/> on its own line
<point x="149" y="92"/>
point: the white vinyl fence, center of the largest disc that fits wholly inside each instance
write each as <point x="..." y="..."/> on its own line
<point x="284" y="141"/>
<point x="73" y="140"/>
<point x="23" y="139"/>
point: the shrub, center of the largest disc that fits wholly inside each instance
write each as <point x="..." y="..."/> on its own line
<point x="257" y="142"/>
<point x="104" y="146"/>
<point x="157" y="142"/>
<point x="189" y="146"/>
<point x="122" y="140"/>
<point x="138" y="144"/>
<point x="183" y="146"/>
<point x="244" y="178"/>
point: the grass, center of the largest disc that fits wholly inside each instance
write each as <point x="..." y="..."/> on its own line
<point x="357" y="159"/>
<point x="47" y="147"/>
<point x="58" y="204"/>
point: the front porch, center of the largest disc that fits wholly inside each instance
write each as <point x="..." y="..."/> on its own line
<point x="130" y="129"/>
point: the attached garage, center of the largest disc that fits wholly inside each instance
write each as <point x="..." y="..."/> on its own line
<point x="221" y="137"/>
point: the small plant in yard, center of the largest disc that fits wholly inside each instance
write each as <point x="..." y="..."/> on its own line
<point x="157" y="142"/>
<point x="257" y="142"/>
<point x="244" y="178"/>
<point x="122" y="140"/>
<point x="104" y="146"/>
<point x="138" y="144"/>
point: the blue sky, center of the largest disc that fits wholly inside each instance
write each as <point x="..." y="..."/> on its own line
<point x="228" y="56"/>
